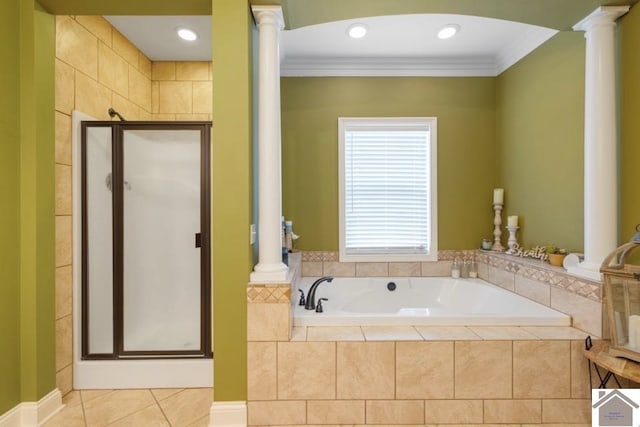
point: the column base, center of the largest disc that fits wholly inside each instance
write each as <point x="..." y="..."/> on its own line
<point x="228" y="414"/>
<point x="264" y="273"/>
<point x="586" y="270"/>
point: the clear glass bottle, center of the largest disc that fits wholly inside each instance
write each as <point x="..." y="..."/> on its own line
<point x="464" y="272"/>
<point x="473" y="269"/>
<point x="455" y="269"/>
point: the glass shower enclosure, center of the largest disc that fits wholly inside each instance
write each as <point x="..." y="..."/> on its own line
<point x="145" y="240"/>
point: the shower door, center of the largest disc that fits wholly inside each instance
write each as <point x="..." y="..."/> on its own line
<point x="146" y="268"/>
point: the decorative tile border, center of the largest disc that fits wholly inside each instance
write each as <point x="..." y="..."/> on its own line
<point x="531" y="269"/>
<point x="269" y="293"/>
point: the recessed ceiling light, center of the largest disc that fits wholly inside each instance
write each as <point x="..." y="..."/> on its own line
<point x="448" y="31"/>
<point x="187" y="34"/>
<point x="357" y="31"/>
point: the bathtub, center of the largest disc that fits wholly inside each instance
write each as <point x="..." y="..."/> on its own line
<point x="421" y="301"/>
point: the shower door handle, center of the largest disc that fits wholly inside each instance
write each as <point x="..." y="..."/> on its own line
<point x="198" y="240"/>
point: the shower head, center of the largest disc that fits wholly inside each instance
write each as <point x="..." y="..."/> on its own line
<point x="113" y="113"/>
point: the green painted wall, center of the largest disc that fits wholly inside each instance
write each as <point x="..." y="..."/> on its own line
<point x="629" y="123"/>
<point x="540" y="134"/>
<point x="465" y="108"/>
<point x="37" y="178"/>
<point x="232" y="207"/>
<point x="10" y="201"/>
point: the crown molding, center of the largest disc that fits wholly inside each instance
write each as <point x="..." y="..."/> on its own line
<point x="378" y="67"/>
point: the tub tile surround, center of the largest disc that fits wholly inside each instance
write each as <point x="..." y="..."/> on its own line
<point x="533" y="279"/>
<point x="412" y="375"/>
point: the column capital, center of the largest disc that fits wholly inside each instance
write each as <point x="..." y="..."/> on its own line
<point x="604" y="15"/>
<point x="268" y="15"/>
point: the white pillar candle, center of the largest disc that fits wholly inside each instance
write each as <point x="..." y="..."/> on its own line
<point x="512" y="221"/>
<point x="498" y="196"/>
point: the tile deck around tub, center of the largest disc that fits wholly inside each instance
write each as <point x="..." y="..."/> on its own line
<point x="436" y="333"/>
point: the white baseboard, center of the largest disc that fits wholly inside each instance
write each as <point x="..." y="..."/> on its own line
<point x="33" y="414"/>
<point x="228" y="414"/>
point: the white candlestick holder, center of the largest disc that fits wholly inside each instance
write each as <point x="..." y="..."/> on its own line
<point x="497" y="232"/>
<point x="512" y="243"/>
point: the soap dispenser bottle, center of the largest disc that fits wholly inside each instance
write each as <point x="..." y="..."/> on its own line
<point x="473" y="269"/>
<point x="455" y="269"/>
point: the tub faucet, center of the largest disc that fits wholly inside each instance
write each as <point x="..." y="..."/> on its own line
<point x="311" y="295"/>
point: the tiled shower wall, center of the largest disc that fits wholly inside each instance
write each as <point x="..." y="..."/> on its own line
<point x="97" y="68"/>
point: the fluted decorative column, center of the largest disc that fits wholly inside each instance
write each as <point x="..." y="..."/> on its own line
<point x="600" y="140"/>
<point x="270" y="267"/>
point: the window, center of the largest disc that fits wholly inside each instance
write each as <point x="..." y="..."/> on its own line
<point x="388" y="189"/>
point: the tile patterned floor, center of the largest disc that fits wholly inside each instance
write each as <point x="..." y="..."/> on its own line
<point x="172" y="407"/>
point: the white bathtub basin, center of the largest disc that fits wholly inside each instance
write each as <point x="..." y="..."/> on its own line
<point x="422" y="301"/>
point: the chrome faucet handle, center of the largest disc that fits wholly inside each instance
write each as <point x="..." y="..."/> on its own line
<point x="319" y="306"/>
<point x="302" y="300"/>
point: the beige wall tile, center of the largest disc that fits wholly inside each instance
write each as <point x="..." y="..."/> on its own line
<point x="63" y="241"/>
<point x="439" y="333"/>
<point x="424" y="370"/>
<point x="202" y="97"/>
<point x="312" y="268"/>
<point x="63" y="138"/>
<point x="164" y="117"/>
<point x="372" y="269"/>
<point x="453" y="411"/>
<point x="502" y="278"/>
<point x="113" y="70"/>
<point x="139" y="89"/>
<point x="92" y="98"/>
<point x="155" y="97"/>
<point x="436" y="269"/>
<point x="64" y="380"/>
<point x="193" y="117"/>
<point x="335" y="412"/>
<point x="395" y="411"/>
<point x="502" y="333"/>
<point x="532" y="289"/>
<point x="145" y="115"/>
<point x="64" y="291"/>
<point x="65" y="89"/>
<point x="192" y="70"/>
<point x="541" y="369"/>
<point x="98" y="26"/>
<point x="512" y="411"/>
<point x="566" y="411"/>
<point x="391" y="333"/>
<point x="176" y="97"/>
<point x="334" y="333"/>
<point x="63" y="190"/>
<point x="128" y="109"/>
<point x="339" y="269"/>
<point x="64" y="342"/>
<point x="299" y="333"/>
<point x="268" y="321"/>
<point x="306" y="370"/>
<point x="365" y="370"/>
<point x="405" y="269"/>
<point x="144" y="65"/>
<point x="280" y="412"/>
<point x="580" y="387"/>
<point x="76" y="46"/>
<point x="586" y="314"/>
<point x="556" y="332"/>
<point x="261" y="371"/>
<point x="163" y="70"/>
<point x="476" y="362"/>
<point x="125" y="48"/>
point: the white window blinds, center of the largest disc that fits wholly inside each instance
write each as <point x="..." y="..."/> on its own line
<point x="387" y="186"/>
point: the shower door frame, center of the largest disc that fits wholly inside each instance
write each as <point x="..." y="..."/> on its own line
<point x="203" y="240"/>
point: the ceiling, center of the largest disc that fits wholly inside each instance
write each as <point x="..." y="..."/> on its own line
<point x="400" y="39"/>
<point x="394" y="45"/>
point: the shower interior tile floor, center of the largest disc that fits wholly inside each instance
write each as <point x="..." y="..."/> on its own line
<point x="135" y="408"/>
